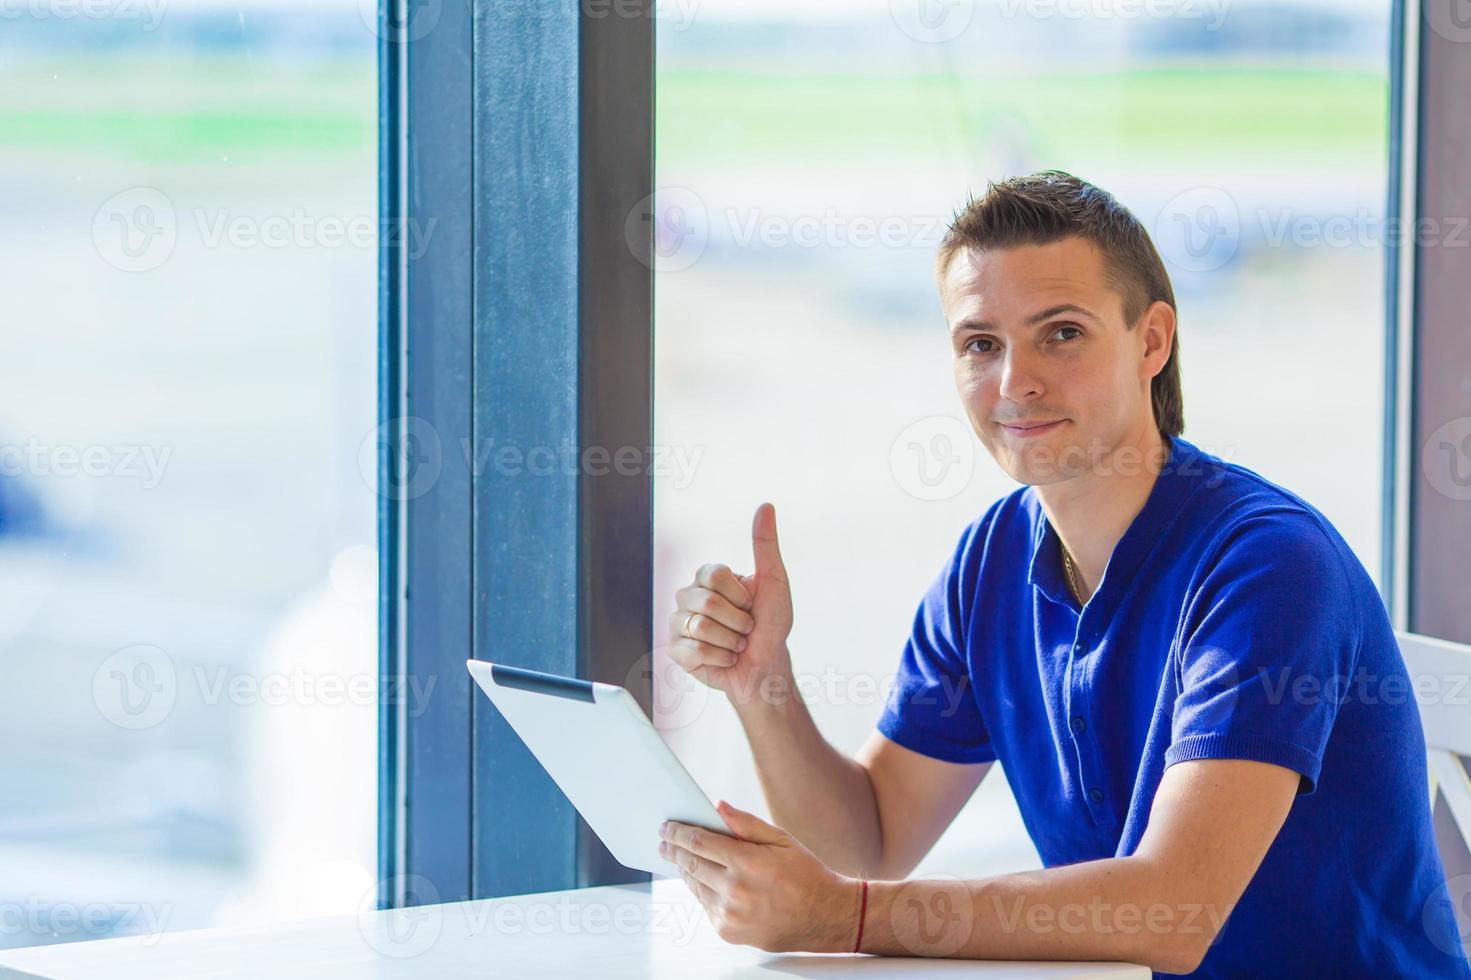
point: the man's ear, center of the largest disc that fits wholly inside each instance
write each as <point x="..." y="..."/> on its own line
<point x="1156" y="328"/>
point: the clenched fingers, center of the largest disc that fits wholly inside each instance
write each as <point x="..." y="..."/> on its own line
<point x="714" y="607"/>
<point x="692" y="654"/>
<point x="720" y="579"/>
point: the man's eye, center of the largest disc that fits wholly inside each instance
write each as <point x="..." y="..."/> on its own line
<point x="1077" y="332"/>
<point x="971" y="345"/>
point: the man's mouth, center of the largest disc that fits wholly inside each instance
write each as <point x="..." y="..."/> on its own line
<point x="1031" y="430"/>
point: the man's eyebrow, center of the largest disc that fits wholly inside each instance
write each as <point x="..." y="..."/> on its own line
<point x="971" y="323"/>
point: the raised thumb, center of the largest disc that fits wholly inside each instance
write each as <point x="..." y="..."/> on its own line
<point x="764" y="544"/>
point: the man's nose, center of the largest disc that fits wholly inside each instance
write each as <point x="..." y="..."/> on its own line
<point x="1020" y="379"/>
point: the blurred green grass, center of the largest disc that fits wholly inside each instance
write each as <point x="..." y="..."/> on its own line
<point x="173" y="110"/>
<point x="1175" y="114"/>
<point x="205" y="108"/>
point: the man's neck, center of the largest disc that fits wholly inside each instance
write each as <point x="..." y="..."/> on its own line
<point x="1091" y="511"/>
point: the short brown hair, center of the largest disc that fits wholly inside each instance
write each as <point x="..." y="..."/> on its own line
<point x="1046" y="207"/>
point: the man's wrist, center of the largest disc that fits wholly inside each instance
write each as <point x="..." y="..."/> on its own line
<point x="772" y="696"/>
<point x="842" y="915"/>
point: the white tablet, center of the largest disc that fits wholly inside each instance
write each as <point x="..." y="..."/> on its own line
<point x="598" y="746"/>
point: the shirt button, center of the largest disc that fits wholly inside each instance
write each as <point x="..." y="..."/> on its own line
<point x="1096" y="795"/>
<point x="1078" y="725"/>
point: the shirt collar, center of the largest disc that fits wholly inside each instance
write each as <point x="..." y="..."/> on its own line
<point x="1181" y="473"/>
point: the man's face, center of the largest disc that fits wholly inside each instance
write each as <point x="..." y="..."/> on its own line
<point x="1050" y="376"/>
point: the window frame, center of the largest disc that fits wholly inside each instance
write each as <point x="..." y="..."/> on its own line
<point x="491" y="120"/>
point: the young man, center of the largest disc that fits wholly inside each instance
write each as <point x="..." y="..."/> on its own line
<point x="1188" y="675"/>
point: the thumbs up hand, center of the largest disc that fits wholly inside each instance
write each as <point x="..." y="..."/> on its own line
<point x="730" y="631"/>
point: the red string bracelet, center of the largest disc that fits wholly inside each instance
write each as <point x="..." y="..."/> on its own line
<point x="862" y="911"/>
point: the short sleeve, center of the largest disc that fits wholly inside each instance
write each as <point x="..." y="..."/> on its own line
<point x="931" y="708"/>
<point x="1269" y="643"/>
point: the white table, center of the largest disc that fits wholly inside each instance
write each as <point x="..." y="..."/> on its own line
<point x="653" y="930"/>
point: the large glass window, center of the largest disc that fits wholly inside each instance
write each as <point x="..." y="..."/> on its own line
<point x="808" y="158"/>
<point x="187" y="595"/>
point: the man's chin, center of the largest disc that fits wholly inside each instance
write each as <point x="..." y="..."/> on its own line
<point x="1038" y="466"/>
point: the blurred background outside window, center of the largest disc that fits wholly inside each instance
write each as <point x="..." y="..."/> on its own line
<point x="187" y="565"/>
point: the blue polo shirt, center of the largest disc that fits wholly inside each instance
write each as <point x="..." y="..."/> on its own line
<point x="1232" y="622"/>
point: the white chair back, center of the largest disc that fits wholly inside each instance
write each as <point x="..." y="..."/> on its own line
<point x="1440" y="676"/>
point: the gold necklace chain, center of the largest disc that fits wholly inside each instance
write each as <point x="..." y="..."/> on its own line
<point x="1067" y="567"/>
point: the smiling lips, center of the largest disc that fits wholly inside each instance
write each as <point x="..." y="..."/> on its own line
<point x="1031" y="430"/>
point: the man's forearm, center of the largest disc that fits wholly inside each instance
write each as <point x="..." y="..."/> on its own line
<point x="1110" y="909"/>
<point x="814" y="792"/>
